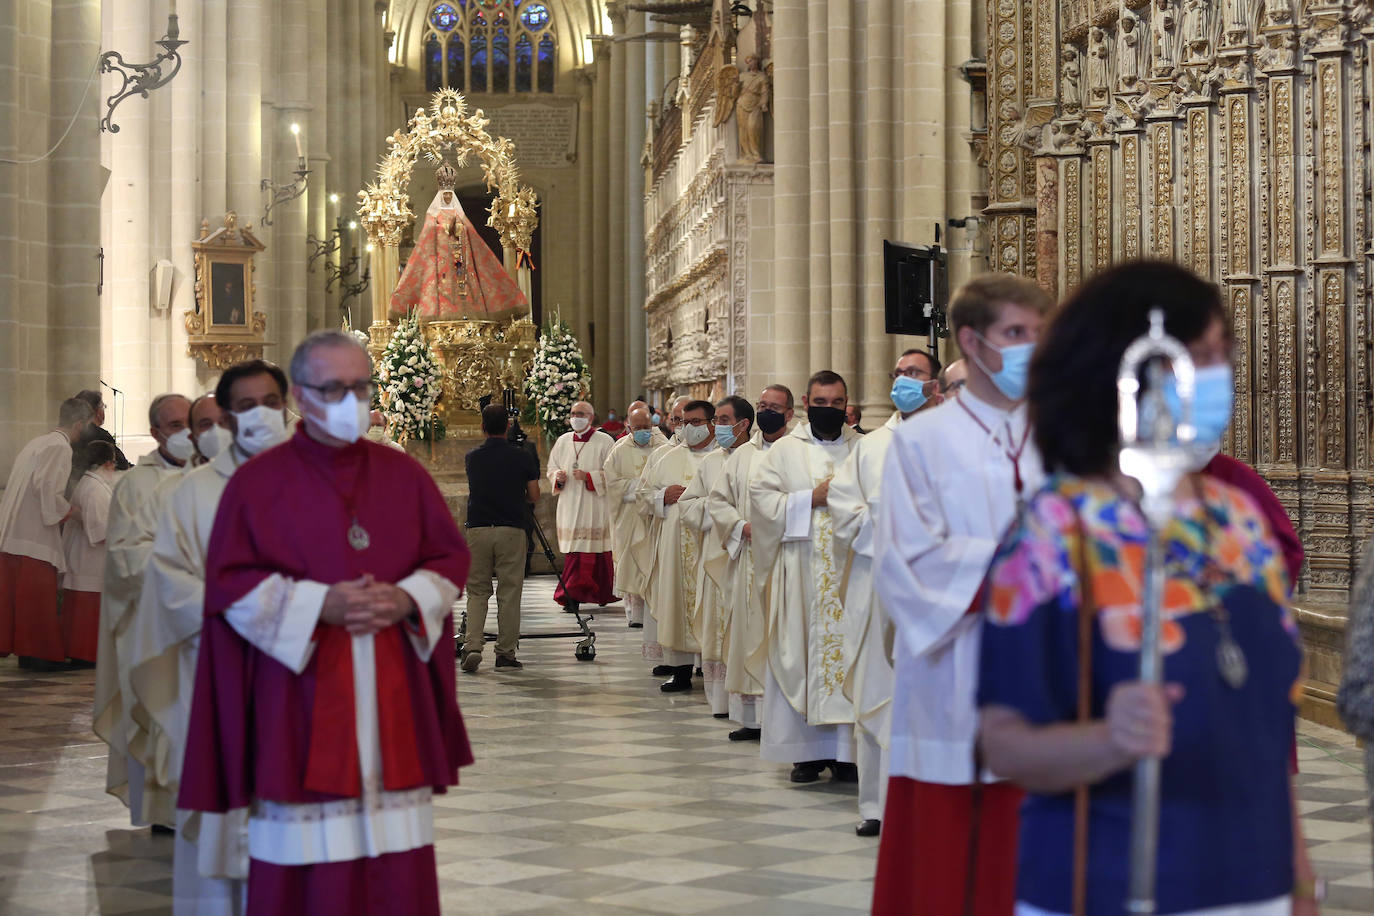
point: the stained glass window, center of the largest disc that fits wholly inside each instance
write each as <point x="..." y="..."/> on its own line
<point x="490" y="46"/>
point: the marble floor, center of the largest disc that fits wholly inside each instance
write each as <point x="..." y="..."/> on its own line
<point x="592" y="794"/>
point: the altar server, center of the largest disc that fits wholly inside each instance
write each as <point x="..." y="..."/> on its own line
<point x="951" y="486"/>
<point x="745" y="621"/>
<point x="624" y="464"/>
<point x="324" y="695"/>
<point x="853" y="497"/>
<point x="807" y="720"/>
<point x="209" y="858"/>
<point x="583" y="516"/>
<point x="83" y="544"/>
<point x="129" y="531"/>
<point x="734" y="421"/>
<point x="32" y="510"/>
<point x="675" y="554"/>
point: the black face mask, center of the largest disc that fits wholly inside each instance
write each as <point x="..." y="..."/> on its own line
<point x="770" y="421"/>
<point x="826" y="422"/>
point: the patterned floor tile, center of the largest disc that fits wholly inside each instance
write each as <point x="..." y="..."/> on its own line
<point x="593" y="793"/>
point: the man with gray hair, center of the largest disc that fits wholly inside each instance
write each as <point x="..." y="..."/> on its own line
<point x="129" y="532"/>
<point x="324" y="700"/>
<point x="31" y="514"/>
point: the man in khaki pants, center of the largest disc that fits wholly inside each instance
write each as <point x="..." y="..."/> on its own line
<point x="502" y="479"/>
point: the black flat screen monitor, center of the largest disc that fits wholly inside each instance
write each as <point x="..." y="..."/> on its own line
<point x="915" y="288"/>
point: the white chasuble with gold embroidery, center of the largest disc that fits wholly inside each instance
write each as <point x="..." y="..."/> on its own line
<point x="807" y="629"/>
<point x="672" y="591"/>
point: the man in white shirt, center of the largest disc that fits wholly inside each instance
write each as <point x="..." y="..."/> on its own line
<point x="953" y="480"/>
<point x="807" y="720"/>
<point x="854" y="495"/>
<point x="129" y="534"/>
<point x="31" y="557"/>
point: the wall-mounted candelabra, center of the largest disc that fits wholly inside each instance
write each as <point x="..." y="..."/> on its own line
<point x="141" y="79"/>
<point x="281" y="193"/>
<point x="341" y="271"/>
<point x="324" y="247"/>
<point x="352" y="289"/>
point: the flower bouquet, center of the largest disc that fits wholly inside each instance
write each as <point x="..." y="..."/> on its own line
<point x="410" y="381"/>
<point x="558" y="378"/>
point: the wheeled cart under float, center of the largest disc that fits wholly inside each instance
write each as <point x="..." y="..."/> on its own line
<point x="585" y="650"/>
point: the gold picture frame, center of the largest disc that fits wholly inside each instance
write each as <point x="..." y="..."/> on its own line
<point x="224" y="328"/>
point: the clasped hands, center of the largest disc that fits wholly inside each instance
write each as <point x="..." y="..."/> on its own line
<point x="365" y="606"/>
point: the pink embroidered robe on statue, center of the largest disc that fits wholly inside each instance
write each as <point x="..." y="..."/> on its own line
<point x="452" y="273"/>
<point x="333" y="742"/>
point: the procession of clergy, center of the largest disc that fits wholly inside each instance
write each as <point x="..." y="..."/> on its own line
<point x="274" y="638"/>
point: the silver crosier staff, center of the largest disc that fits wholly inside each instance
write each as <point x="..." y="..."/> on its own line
<point x="1157" y="457"/>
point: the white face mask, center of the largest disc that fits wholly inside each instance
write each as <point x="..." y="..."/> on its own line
<point x="695" y="435"/>
<point x="579" y="424"/>
<point x="179" y="445"/>
<point x="213" y="441"/>
<point x="347" y="419"/>
<point x="259" y="429"/>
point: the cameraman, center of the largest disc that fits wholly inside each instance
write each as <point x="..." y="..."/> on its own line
<point x="502" y="479"/>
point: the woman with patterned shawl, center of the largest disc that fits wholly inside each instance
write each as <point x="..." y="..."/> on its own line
<point x="1223" y="721"/>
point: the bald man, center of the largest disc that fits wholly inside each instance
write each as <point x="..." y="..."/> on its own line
<point x="583" y="517"/>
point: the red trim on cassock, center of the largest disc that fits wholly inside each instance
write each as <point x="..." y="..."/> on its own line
<point x="587" y="579"/>
<point x="923" y="855"/>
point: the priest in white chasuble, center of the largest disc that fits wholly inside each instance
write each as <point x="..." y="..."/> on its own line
<point x="952" y="483"/>
<point x="676" y="543"/>
<point x="733" y="422"/>
<point x="623" y="466"/>
<point x="643" y="547"/>
<point x="325" y="700"/>
<point x="583" y="517"/>
<point x="209" y="858"/>
<point x="129" y="531"/>
<point x="853" y="497"/>
<point x="807" y="720"/>
<point x="745" y="651"/>
<point x="32" y="510"/>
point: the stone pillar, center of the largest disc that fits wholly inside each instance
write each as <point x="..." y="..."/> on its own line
<point x="580" y="313"/>
<point x="636" y="99"/>
<point x="185" y="211"/>
<point x="617" y="193"/>
<point x="602" y="343"/>
<point x="792" y="328"/>
<point x="319" y="219"/>
<point x="880" y="74"/>
<point x="290" y="320"/>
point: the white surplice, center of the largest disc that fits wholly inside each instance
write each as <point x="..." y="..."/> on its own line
<point x="129" y="532"/>
<point x="642" y="548"/>
<point x="806" y="625"/>
<point x="624" y="464"/>
<point x="708" y="615"/>
<point x="83" y="538"/>
<point x="746" y="651"/>
<point x="210" y="857"/>
<point x="675" y="551"/>
<point x="948" y="497"/>
<point x="854" y="496"/>
<point x="278" y="617"/>
<point x="33" y="506"/>
<point x="583" y="515"/>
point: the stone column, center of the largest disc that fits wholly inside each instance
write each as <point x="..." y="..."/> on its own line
<point x="184" y="210"/>
<point x="792" y="327"/>
<point x="579" y="314"/>
<point x="838" y="235"/>
<point x="290" y="315"/>
<point x="637" y="96"/>
<point x="319" y="219"/>
<point x="602" y="343"/>
<point x="617" y="189"/>
<point x="881" y="75"/>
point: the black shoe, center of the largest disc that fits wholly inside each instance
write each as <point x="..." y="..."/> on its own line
<point x="808" y="771"/>
<point x="746" y="734"/>
<point x="160" y="830"/>
<point x="508" y="661"/>
<point x="26" y="661"/>
<point x="870" y="827"/>
<point x="572" y="607"/>
<point x="844" y="772"/>
<point x="43" y="666"/>
<point x="636" y="626"/>
<point x="681" y="682"/>
<point x="698" y="672"/>
<point x="720" y="715"/>
<point x="663" y="671"/>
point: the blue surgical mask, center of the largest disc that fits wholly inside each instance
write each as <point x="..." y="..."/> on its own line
<point x="1014" y="376"/>
<point x="643" y="436"/>
<point x="1213" y="399"/>
<point x="908" y="394"/>
<point x="725" y="436"/>
<point x="657" y="419"/>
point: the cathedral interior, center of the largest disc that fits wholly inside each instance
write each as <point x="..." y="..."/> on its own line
<point x="701" y="189"/>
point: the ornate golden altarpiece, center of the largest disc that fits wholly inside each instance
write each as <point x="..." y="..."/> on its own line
<point x="479" y="358"/>
<point x="1234" y="137"/>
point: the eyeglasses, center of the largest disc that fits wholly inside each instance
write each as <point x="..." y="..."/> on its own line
<point x="912" y="372"/>
<point x="334" y="392"/>
<point x="696" y="421"/>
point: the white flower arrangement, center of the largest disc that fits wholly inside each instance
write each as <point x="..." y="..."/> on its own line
<point x="558" y="378"/>
<point x="410" y="381"/>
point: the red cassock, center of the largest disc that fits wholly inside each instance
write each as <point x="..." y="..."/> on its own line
<point x="260" y="732"/>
